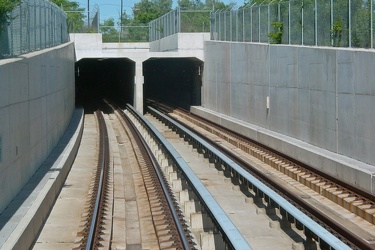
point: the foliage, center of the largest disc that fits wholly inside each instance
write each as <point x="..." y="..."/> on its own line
<point x="109" y="33"/>
<point x="303" y="14"/>
<point x="277" y="35"/>
<point x="74" y="19"/>
<point x="213" y="5"/>
<point x="6" y="6"/>
<point x="199" y="21"/>
<point x="337" y="32"/>
<point x="258" y="2"/>
<point x="148" y="10"/>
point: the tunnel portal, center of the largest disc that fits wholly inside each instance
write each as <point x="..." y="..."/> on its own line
<point x="175" y="81"/>
<point x="98" y="78"/>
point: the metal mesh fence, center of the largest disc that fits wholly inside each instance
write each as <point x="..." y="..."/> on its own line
<point x="177" y="21"/>
<point x="33" y="25"/>
<point x="341" y="23"/>
<point x="88" y="21"/>
<point x="111" y="34"/>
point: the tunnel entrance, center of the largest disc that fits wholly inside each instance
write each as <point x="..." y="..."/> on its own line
<point x="175" y="81"/>
<point x="98" y="78"/>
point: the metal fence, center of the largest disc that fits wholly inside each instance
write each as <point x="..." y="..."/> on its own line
<point x="33" y="25"/>
<point x="177" y="21"/>
<point x="341" y="23"/>
<point x="134" y="33"/>
<point x="87" y="22"/>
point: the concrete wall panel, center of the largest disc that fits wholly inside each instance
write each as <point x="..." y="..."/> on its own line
<point x="364" y="73"/>
<point x="36" y="105"/>
<point x="4" y="85"/>
<point x="19" y="83"/>
<point x="321" y="96"/>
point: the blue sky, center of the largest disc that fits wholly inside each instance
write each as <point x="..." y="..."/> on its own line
<point x="109" y="8"/>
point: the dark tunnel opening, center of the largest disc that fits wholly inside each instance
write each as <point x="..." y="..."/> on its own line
<point x="174" y="81"/>
<point x="98" y="78"/>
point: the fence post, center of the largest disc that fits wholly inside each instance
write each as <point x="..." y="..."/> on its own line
<point x="243" y="25"/>
<point x="331" y="22"/>
<point x="11" y="40"/>
<point x="302" y="12"/>
<point x="179" y="20"/>
<point x="231" y="26"/>
<point x="251" y="24"/>
<point x="237" y="25"/>
<point x="372" y="24"/>
<point x="268" y="21"/>
<point x="289" y="23"/>
<point x="316" y="23"/>
<point x="20" y="48"/>
<point x="350" y="24"/>
<point x="28" y="24"/>
<point x="259" y="23"/>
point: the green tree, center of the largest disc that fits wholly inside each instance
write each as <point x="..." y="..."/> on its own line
<point x="108" y="30"/>
<point x="148" y="10"/>
<point x="361" y="24"/>
<point x="75" y="14"/>
<point x="218" y="5"/>
<point x="6" y="6"/>
<point x="198" y="21"/>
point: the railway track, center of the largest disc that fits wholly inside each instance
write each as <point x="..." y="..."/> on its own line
<point x="167" y="219"/>
<point x="96" y="210"/>
<point x="203" y="203"/>
<point x="349" y="197"/>
<point x="170" y="227"/>
<point x="352" y="199"/>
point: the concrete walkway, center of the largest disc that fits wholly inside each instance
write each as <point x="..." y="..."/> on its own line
<point x="63" y="224"/>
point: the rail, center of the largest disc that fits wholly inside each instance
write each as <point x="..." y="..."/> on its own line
<point x="311" y="227"/>
<point x="183" y="235"/>
<point x="229" y="231"/>
<point x="100" y="185"/>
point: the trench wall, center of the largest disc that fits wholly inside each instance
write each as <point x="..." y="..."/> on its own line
<point x="313" y="103"/>
<point x="37" y="95"/>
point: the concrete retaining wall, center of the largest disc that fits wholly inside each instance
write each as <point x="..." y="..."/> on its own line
<point x="186" y="44"/>
<point x="37" y="95"/>
<point x="322" y="96"/>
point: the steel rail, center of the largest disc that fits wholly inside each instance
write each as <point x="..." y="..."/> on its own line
<point x="273" y="197"/>
<point x="230" y="233"/>
<point x="359" y="194"/>
<point x="104" y="154"/>
<point x="186" y="244"/>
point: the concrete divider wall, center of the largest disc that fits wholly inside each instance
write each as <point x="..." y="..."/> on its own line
<point x="186" y="44"/>
<point x="321" y="96"/>
<point x="37" y="100"/>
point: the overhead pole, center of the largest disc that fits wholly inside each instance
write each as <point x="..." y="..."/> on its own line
<point x="121" y="13"/>
<point x="121" y="20"/>
<point x="88" y="14"/>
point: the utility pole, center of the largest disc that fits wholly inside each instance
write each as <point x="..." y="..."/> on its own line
<point x="121" y="14"/>
<point x="88" y="14"/>
<point x="120" y="22"/>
